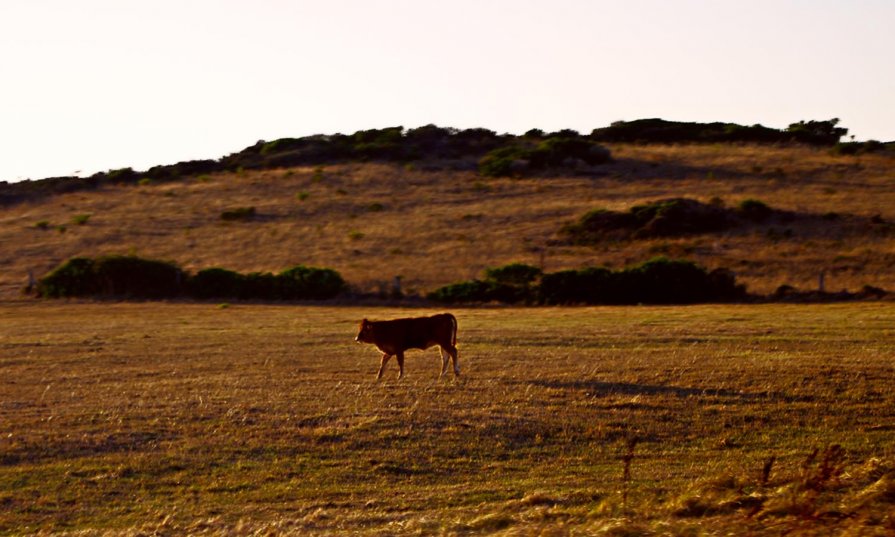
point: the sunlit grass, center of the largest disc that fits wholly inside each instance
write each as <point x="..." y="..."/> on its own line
<point x="175" y="418"/>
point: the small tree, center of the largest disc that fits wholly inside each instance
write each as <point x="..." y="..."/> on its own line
<point x="817" y="132"/>
<point x="518" y="274"/>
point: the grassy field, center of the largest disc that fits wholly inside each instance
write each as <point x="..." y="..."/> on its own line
<point x="168" y="419"/>
<point x="372" y="222"/>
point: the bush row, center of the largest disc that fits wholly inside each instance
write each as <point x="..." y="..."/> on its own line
<point x="858" y="148"/>
<point x="658" y="281"/>
<point x="667" y="218"/>
<point x="549" y="153"/>
<point x="394" y="144"/>
<point x="134" y="277"/>
<point x="820" y="133"/>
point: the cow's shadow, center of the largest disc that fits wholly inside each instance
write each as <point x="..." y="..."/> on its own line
<point x="597" y="388"/>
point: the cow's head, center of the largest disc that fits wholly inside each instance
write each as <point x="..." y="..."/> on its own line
<point x="365" y="334"/>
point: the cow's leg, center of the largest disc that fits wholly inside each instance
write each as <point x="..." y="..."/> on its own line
<point x="385" y="357"/>
<point x="400" y="357"/>
<point x="444" y="361"/>
<point x="455" y="357"/>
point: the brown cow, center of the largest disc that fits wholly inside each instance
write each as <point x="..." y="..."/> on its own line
<point x="398" y="335"/>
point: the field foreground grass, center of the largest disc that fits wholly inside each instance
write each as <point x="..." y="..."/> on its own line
<point x="169" y="419"/>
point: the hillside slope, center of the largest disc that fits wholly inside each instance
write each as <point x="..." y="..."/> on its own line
<point x="431" y="226"/>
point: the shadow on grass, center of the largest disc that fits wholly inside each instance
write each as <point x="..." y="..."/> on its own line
<point x="36" y="451"/>
<point x="596" y="388"/>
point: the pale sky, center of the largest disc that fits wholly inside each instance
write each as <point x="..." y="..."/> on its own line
<point x="92" y="85"/>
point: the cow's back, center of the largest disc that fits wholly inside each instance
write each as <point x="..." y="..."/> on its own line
<point x="415" y="332"/>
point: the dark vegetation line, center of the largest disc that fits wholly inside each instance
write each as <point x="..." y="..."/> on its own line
<point x="495" y="154"/>
<point x="134" y="277"/>
<point x="658" y="281"/>
<point x="678" y="217"/>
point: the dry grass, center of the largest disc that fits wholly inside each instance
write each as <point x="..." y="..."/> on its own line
<point x="168" y="419"/>
<point x="372" y="222"/>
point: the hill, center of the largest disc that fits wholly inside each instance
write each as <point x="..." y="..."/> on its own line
<point x="436" y="219"/>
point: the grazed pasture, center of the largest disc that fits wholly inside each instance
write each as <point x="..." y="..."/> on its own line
<point x="167" y="419"/>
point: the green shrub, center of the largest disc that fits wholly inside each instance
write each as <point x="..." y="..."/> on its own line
<point x="216" y="283"/>
<point x="563" y="287"/>
<point x="595" y="224"/>
<point x="518" y="274"/>
<point x="239" y="213"/>
<point x="586" y="286"/>
<point x="658" y="281"/>
<point x="663" y="281"/>
<point x="755" y="210"/>
<point x="122" y="175"/>
<point x="118" y="276"/>
<point x="672" y="217"/>
<point x="510" y="283"/>
<point x="550" y="153"/>
<point x="43" y="224"/>
<point x="301" y="282"/>
<point x="565" y="133"/>
<point x="74" y="277"/>
<point x="472" y="291"/>
<point x="679" y="216"/>
<point x="557" y="151"/>
<point x="468" y="291"/>
<point x="502" y="162"/>
<point x="723" y="286"/>
<point x="656" y="130"/>
<point x="817" y="132"/>
<point x="131" y="276"/>
<point x="283" y="144"/>
<point x="663" y="218"/>
<point x="297" y="283"/>
<point x="80" y="219"/>
<point x="857" y="148"/>
<point x="261" y="286"/>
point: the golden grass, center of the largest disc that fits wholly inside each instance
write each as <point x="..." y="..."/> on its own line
<point x="372" y="222"/>
<point x="171" y="419"/>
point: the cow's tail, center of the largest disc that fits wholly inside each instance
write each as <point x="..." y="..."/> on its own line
<point x="454" y="329"/>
